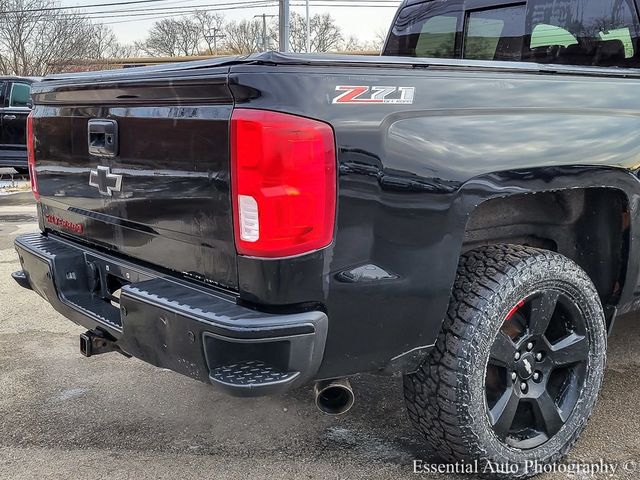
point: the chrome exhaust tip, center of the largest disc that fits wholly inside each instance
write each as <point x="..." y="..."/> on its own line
<point x="334" y="397"/>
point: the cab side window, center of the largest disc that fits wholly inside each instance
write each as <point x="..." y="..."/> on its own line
<point x="431" y="29"/>
<point x="20" y="95"/>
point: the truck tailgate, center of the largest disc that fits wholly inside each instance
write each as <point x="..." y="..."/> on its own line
<point x="141" y="168"/>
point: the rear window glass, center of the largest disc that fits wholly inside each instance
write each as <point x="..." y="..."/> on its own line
<point x="571" y="32"/>
<point x="495" y="34"/>
<point x="437" y="37"/>
<point x="544" y="35"/>
<point x="583" y="32"/>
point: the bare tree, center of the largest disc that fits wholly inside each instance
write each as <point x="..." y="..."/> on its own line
<point x="173" y="37"/>
<point x="36" y="41"/>
<point x="325" y="33"/>
<point x="105" y="45"/>
<point x="380" y="37"/>
<point x="354" y="44"/>
<point x="244" y="37"/>
<point x="211" y="26"/>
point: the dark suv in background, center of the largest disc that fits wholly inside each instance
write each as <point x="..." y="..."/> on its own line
<point x="15" y="95"/>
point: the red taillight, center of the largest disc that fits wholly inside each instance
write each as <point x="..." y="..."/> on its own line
<point x="31" y="157"/>
<point x="283" y="171"/>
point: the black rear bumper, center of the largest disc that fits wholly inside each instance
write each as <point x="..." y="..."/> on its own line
<point x="199" y="332"/>
<point x="12" y="158"/>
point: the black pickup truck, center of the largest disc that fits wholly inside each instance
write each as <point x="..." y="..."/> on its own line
<point x="15" y="106"/>
<point x="272" y="221"/>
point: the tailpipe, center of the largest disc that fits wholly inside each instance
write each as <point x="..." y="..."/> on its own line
<point x="334" y="397"/>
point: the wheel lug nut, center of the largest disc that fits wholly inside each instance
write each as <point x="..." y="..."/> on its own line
<point x="539" y="356"/>
<point x="529" y="346"/>
<point x="517" y="356"/>
<point x="514" y="376"/>
<point x="523" y="387"/>
<point x="536" y="376"/>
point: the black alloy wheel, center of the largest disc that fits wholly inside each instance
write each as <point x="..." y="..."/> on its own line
<point x="537" y="367"/>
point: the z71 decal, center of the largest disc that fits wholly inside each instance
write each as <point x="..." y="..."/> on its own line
<point x="368" y="95"/>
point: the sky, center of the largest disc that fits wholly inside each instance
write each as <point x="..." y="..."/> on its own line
<point x="362" y="22"/>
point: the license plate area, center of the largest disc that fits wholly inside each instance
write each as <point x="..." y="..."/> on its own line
<point x="93" y="283"/>
<point x="113" y="288"/>
<point x="109" y="278"/>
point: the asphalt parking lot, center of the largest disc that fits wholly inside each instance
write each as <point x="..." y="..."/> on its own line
<point x="66" y="416"/>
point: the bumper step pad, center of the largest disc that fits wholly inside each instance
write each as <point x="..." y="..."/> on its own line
<point x="252" y="372"/>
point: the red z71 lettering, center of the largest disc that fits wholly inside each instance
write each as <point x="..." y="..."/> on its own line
<point x="361" y="94"/>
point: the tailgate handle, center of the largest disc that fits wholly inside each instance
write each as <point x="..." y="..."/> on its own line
<point x="103" y="138"/>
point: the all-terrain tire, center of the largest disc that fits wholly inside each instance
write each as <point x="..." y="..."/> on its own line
<point x="446" y="399"/>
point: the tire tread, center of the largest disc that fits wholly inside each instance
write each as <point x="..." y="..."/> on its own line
<point x="434" y="393"/>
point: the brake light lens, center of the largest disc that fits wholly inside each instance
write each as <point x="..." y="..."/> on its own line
<point x="31" y="157"/>
<point x="283" y="171"/>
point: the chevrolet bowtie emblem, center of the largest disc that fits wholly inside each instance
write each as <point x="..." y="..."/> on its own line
<point x="105" y="181"/>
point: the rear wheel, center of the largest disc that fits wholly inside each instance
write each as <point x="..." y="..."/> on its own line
<point x="519" y="363"/>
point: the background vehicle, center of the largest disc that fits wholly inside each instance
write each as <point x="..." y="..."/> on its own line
<point x="271" y="221"/>
<point x="16" y="106"/>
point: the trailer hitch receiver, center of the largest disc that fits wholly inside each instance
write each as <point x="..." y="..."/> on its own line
<point x="96" y="343"/>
